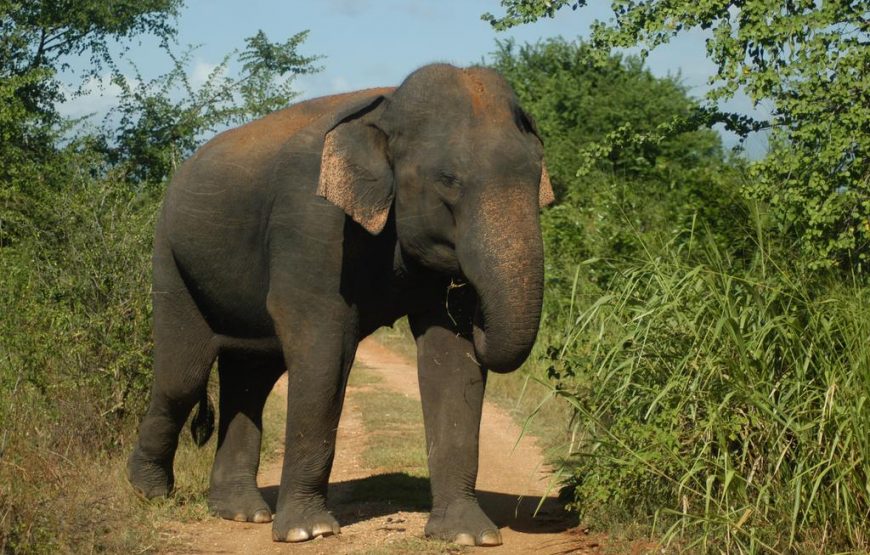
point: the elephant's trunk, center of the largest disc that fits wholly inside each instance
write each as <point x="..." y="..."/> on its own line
<point x="502" y="256"/>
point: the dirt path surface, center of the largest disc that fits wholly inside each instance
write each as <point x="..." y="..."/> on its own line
<point x="510" y="485"/>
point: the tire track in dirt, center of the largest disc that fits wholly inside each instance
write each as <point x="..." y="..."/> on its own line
<point x="512" y="479"/>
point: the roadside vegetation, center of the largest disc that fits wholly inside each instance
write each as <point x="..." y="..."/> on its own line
<point x="706" y="322"/>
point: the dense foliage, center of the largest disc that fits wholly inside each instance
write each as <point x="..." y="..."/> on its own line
<point x="726" y="408"/>
<point x="808" y="61"/>
<point x="698" y="319"/>
<point x="77" y="208"/>
<point x="38" y="38"/>
<point x="616" y="194"/>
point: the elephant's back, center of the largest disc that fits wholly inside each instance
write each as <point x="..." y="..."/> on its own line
<point x="226" y="188"/>
<point x="217" y="208"/>
<point x="255" y="145"/>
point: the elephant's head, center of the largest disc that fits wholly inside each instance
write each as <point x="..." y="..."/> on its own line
<point x="452" y="152"/>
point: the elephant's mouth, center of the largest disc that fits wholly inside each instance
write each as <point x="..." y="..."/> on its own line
<point x="478" y="327"/>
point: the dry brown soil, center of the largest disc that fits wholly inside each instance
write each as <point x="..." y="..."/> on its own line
<point x="510" y="485"/>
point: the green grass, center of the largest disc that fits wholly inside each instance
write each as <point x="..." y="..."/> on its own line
<point x="395" y="444"/>
<point x="394" y="432"/>
<point x="519" y="393"/>
<point x="360" y="376"/>
<point x="399" y="338"/>
<point x="725" y="408"/>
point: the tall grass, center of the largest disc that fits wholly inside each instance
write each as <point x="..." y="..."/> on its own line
<point x="725" y="405"/>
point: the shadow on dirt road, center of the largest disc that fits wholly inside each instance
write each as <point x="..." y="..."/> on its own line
<point x="380" y="495"/>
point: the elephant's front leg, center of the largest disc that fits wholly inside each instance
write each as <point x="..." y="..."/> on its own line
<point x="451" y="388"/>
<point x="319" y="352"/>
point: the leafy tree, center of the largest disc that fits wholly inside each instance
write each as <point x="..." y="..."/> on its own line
<point x="810" y="61"/>
<point x="37" y="39"/>
<point x="162" y="121"/>
<point x="40" y="35"/>
<point x="615" y="196"/>
<point x="578" y="103"/>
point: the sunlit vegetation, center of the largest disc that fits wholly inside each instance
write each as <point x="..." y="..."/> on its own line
<point x="706" y="322"/>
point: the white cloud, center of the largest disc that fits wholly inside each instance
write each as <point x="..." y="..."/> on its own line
<point x="98" y="95"/>
<point x="201" y="72"/>
<point x="349" y="8"/>
<point x="339" y="84"/>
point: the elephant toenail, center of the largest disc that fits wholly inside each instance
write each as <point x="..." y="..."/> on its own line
<point x="490" y="537"/>
<point x="239" y="517"/>
<point x="298" y="535"/>
<point x="323" y="530"/>
<point x="464" y="538"/>
<point x="263" y="516"/>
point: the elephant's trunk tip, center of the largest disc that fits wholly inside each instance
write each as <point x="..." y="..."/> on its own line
<point x="506" y="357"/>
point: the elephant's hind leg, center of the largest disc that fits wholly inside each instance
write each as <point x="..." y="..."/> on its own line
<point x="184" y="350"/>
<point x="245" y="383"/>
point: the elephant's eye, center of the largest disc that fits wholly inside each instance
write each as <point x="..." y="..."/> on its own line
<point x="448" y="179"/>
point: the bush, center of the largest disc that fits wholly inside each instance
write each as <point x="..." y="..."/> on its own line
<point x="724" y="404"/>
<point x="75" y="356"/>
<point x="625" y="178"/>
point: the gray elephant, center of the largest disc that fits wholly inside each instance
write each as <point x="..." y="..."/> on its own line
<point x="284" y="242"/>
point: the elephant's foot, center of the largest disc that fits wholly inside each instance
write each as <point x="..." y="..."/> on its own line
<point x="463" y="521"/>
<point x="242" y="503"/>
<point x="302" y="525"/>
<point x="148" y="477"/>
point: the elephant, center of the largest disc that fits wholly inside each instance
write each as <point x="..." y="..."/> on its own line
<point x="282" y="243"/>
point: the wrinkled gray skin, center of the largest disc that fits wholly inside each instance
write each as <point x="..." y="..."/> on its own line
<point x="282" y="243"/>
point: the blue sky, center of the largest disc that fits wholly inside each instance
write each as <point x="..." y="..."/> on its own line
<point x="367" y="43"/>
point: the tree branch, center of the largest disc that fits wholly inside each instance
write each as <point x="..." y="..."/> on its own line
<point x="40" y="50"/>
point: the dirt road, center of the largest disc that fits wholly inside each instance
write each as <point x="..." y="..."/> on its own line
<point x="510" y="485"/>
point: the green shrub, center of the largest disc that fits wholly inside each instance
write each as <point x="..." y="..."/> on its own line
<point x="805" y="62"/>
<point x="726" y="406"/>
<point x="74" y="361"/>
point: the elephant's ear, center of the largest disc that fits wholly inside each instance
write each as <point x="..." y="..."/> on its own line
<point x="526" y="123"/>
<point x="355" y="172"/>
<point x="545" y="190"/>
